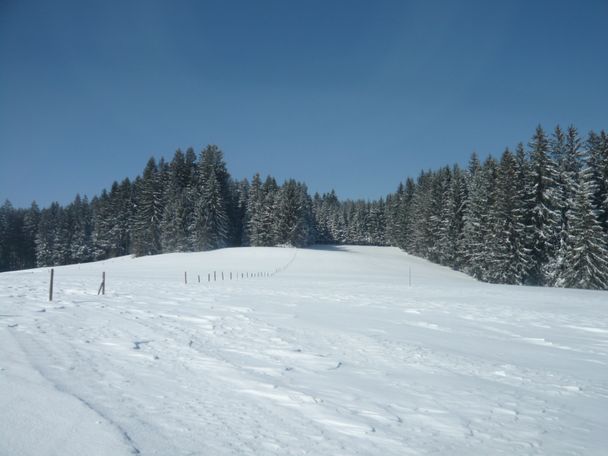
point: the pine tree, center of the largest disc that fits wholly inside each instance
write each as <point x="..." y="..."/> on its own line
<point x="148" y="211"/>
<point x="509" y="259"/>
<point x="597" y="162"/>
<point x="255" y="202"/>
<point x="31" y="219"/>
<point x="404" y="214"/>
<point x="49" y="247"/>
<point x="268" y="213"/>
<point x="6" y="235"/>
<point x="545" y="212"/>
<point x="420" y="238"/>
<point x="211" y="223"/>
<point x="239" y="191"/>
<point x="472" y="243"/>
<point x="586" y="259"/>
<point x="174" y="234"/>
<point x="444" y="212"/>
<point x="79" y="216"/>
<point x="293" y="215"/>
<point x="569" y="176"/>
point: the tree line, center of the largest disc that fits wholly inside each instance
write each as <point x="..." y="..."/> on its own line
<point x="538" y="215"/>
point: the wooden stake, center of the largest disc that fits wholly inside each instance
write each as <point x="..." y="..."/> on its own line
<point x="199" y="278"/>
<point x="102" y="287"/>
<point x="222" y="275"/>
<point x="51" y="285"/>
<point x="185" y="277"/>
<point x="214" y="276"/>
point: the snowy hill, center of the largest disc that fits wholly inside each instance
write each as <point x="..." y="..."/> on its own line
<point x="334" y="354"/>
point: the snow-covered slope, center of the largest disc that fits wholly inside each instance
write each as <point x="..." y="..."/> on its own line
<point x="335" y="354"/>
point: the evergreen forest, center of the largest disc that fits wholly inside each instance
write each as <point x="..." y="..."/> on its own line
<point x="536" y="215"/>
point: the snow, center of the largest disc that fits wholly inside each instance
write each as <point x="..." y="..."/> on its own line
<point x="334" y="354"/>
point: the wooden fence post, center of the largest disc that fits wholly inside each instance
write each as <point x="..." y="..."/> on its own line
<point x="199" y="278"/>
<point x="222" y="275"/>
<point x="185" y="277"/>
<point x="209" y="277"/>
<point x="51" y="285"/>
<point x="214" y="276"/>
<point x="102" y="287"/>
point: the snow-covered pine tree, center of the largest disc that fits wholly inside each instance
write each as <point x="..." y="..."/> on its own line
<point x="377" y="223"/>
<point x="11" y="236"/>
<point x="586" y="257"/>
<point x="147" y="216"/>
<point x="5" y="213"/>
<point x="472" y="243"/>
<point x="443" y="210"/>
<point x="31" y="219"/>
<point x="238" y="193"/>
<point x="393" y="220"/>
<point x="211" y="223"/>
<point x="253" y="216"/>
<point x="215" y="226"/>
<point x="293" y="218"/>
<point x="524" y="202"/>
<point x="122" y="206"/>
<point x="420" y="239"/>
<point x="569" y="177"/>
<point x="545" y="212"/>
<point x="100" y="236"/>
<point x="174" y="234"/>
<point x="49" y="244"/>
<point x="597" y="162"/>
<point x="80" y="221"/>
<point x="489" y="224"/>
<point x="268" y="213"/>
<point x="329" y="224"/>
<point x="509" y="246"/>
<point x="404" y="213"/>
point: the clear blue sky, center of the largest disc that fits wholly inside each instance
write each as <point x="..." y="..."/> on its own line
<point x="351" y="95"/>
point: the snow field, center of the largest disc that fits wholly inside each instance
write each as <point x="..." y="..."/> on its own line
<point x="335" y="354"/>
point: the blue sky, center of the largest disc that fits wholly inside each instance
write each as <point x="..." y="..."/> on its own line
<point x="350" y="95"/>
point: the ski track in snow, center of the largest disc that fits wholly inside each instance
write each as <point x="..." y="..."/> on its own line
<point x="333" y="355"/>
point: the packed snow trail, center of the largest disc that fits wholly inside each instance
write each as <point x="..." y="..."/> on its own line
<point x="335" y="354"/>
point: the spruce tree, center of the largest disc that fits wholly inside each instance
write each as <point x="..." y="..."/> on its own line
<point x="255" y="202"/>
<point x="545" y="211"/>
<point x="472" y="243"/>
<point x="211" y="226"/>
<point x="148" y="211"/>
<point x="586" y="258"/>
